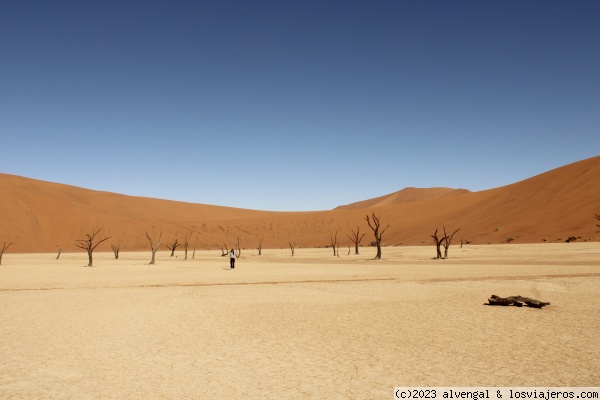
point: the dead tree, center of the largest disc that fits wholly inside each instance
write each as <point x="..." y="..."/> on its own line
<point x="438" y="244"/>
<point x="88" y="244"/>
<point x="194" y="252"/>
<point x="3" y="249"/>
<point x="259" y="246"/>
<point x="292" y="248"/>
<point x="59" y="251"/>
<point x="335" y="245"/>
<point x="186" y="244"/>
<point x="173" y="246"/>
<point x="115" y="249"/>
<point x="224" y="250"/>
<point x="376" y="226"/>
<point x="598" y="218"/>
<point x="239" y="248"/>
<point x="154" y="245"/>
<point x="447" y="240"/>
<point x="517" y="301"/>
<point x="355" y="238"/>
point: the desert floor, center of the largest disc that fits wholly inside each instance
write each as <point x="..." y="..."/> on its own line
<point x="311" y="326"/>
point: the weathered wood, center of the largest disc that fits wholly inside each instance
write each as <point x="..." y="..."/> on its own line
<point x="375" y="228"/>
<point x="88" y="244"/>
<point x="154" y="245"/>
<point x="356" y="238"/>
<point x="173" y="246"/>
<point x="3" y="249"/>
<point x="438" y="243"/>
<point x="447" y="239"/>
<point x="517" y="301"/>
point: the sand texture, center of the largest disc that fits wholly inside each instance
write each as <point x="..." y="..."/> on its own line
<point x="309" y="327"/>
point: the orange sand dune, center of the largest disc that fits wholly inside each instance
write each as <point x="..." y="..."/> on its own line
<point x="40" y="216"/>
<point x="405" y="195"/>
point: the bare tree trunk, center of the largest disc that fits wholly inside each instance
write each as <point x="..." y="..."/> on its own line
<point x="334" y="244"/>
<point x="517" y="301"/>
<point x="173" y="246"/>
<point x="259" y="246"/>
<point x="194" y="252"/>
<point x="154" y="245"/>
<point x="4" y="248"/>
<point x="375" y="226"/>
<point x="88" y="244"/>
<point x="438" y="244"/>
<point x="59" y="251"/>
<point x="292" y="248"/>
<point x="115" y="249"/>
<point x="239" y="248"/>
<point x="186" y="244"/>
<point x="224" y="251"/>
<point x="447" y="240"/>
<point x="598" y="218"/>
<point x="356" y="238"/>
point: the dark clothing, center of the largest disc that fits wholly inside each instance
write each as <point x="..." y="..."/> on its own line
<point x="231" y="259"/>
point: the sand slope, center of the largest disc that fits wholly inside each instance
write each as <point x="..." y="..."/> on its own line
<point x="40" y="216"/>
<point x="405" y="195"/>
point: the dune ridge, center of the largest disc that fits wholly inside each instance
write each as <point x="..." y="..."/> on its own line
<point x="41" y="216"/>
<point x="406" y="195"/>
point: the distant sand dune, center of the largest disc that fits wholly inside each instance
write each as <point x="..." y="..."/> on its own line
<point x="41" y="216"/>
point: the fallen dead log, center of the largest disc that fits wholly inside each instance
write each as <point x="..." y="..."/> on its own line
<point x="517" y="301"/>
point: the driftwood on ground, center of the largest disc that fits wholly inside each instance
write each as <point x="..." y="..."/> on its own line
<point x="517" y="301"/>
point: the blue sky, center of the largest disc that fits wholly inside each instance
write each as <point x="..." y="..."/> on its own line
<point x="296" y="106"/>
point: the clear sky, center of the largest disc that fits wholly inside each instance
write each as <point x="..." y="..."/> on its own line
<point x="296" y="105"/>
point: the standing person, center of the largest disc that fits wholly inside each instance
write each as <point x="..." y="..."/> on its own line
<point x="232" y="259"/>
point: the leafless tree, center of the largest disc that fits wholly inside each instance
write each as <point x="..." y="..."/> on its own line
<point x="186" y="244"/>
<point x="447" y="240"/>
<point x="356" y="238"/>
<point x="173" y="246"/>
<point x="88" y="244"/>
<point x="292" y="248"/>
<point x="438" y="244"/>
<point x="115" y="248"/>
<point x="334" y="244"/>
<point x="443" y="241"/>
<point x="375" y="227"/>
<point x="5" y="247"/>
<point x="598" y="218"/>
<point x="194" y="252"/>
<point x="239" y="248"/>
<point x="59" y="251"/>
<point x="154" y="245"/>
<point x="259" y="246"/>
<point x="224" y="250"/>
